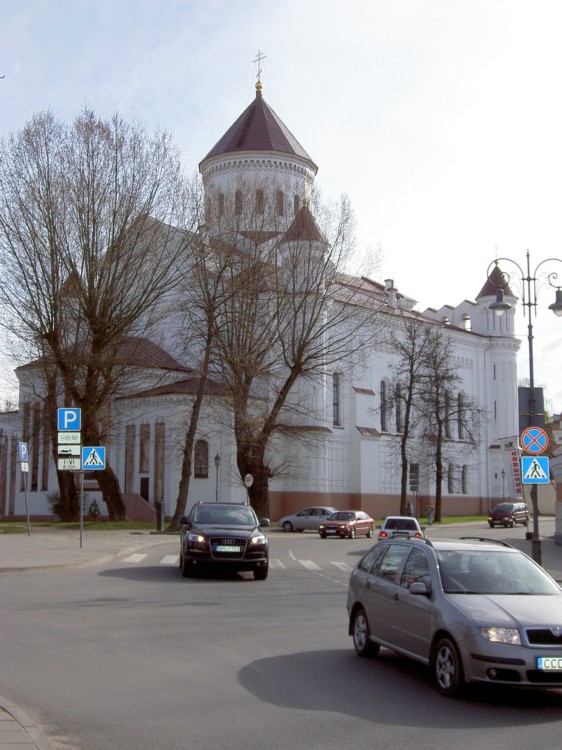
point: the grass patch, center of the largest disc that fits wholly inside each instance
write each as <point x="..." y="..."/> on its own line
<point x="19" y="527"/>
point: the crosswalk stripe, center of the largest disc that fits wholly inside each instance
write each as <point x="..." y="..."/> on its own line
<point x="342" y="566"/>
<point x="274" y="563"/>
<point x="134" y="558"/>
<point x="309" y="565"/>
<point x="170" y="560"/>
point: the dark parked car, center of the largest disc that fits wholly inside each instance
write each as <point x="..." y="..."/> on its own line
<point x="306" y="519"/>
<point x="508" y="514"/>
<point x="347" y="523"/>
<point x="226" y="535"/>
<point x="474" y="610"/>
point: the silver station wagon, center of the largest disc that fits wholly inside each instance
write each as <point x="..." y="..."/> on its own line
<point x="474" y="610"/>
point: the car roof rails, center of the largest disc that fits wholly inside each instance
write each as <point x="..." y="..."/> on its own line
<point x="486" y="539"/>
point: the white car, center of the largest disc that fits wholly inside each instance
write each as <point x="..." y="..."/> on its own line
<point x="307" y="519"/>
<point x="400" y="526"/>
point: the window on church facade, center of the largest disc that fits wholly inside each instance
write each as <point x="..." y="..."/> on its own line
<point x="297" y="204"/>
<point x="260" y="201"/>
<point x="464" y="480"/>
<point x="336" y="399"/>
<point x="447" y="414"/>
<point x="384" y="406"/>
<point x="451" y="479"/>
<point x="201" y="460"/>
<point x="280" y="203"/>
<point x="238" y="202"/>
<point x="220" y="207"/>
<point x="398" y="406"/>
<point x="460" y="416"/>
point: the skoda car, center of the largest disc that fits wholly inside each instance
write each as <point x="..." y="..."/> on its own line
<point x="405" y="526"/>
<point x="474" y="610"/>
<point x="223" y="535"/>
<point x="307" y="519"/>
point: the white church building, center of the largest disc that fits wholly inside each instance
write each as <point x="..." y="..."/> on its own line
<point x="352" y="459"/>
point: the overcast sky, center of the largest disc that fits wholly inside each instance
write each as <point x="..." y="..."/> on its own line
<point x="441" y="119"/>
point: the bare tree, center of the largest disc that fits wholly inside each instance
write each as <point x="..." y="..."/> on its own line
<point x="285" y="314"/>
<point x="91" y="251"/>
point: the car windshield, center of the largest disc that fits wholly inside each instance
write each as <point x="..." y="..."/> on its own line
<point x="491" y="572"/>
<point x="401" y="524"/>
<point x="503" y="508"/>
<point x="342" y="516"/>
<point x="236" y="516"/>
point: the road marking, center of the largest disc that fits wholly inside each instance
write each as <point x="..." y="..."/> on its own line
<point x="342" y="566"/>
<point x="276" y="564"/>
<point x="134" y="558"/>
<point x="170" y="560"/>
<point x="309" y="565"/>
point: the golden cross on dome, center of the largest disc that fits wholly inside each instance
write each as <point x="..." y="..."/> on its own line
<point x="259" y="57"/>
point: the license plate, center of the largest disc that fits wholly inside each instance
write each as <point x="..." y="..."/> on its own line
<point x="330" y="531"/>
<point x="227" y="548"/>
<point x="549" y="663"/>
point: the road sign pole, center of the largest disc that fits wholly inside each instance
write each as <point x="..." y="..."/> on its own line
<point x="81" y="507"/>
<point x="26" y="503"/>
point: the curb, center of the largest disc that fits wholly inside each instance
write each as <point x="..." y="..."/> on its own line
<point x="27" y="728"/>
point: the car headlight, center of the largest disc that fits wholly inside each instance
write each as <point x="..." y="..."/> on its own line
<point x="197" y="538"/>
<point x="501" y="635"/>
<point x="259" y="539"/>
<point x="321" y="526"/>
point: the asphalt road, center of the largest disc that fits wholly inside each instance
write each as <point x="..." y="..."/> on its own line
<point x="128" y="654"/>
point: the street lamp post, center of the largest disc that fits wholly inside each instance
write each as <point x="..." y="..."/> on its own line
<point x="217" y="466"/>
<point x="528" y="280"/>
<point x="503" y="483"/>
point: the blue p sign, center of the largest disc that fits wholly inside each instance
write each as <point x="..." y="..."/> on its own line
<point x="24" y="455"/>
<point x="69" y="420"/>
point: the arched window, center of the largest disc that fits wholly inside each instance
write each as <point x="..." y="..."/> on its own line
<point x="336" y="399"/>
<point x="460" y="416"/>
<point x="201" y="460"/>
<point x="447" y="413"/>
<point x="384" y="406"/>
<point x="398" y="408"/>
<point x="297" y="204"/>
<point x="280" y="203"/>
<point x="260" y="201"/>
<point x="464" y="480"/>
<point x="221" y="204"/>
<point x="451" y="479"/>
<point x="238" y="202"/>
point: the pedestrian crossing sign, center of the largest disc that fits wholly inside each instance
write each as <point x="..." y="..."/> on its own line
<point x="535" y="470"/>
<point x="93" y="458"/>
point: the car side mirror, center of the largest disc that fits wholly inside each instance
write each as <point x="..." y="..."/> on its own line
<point x="419" y="589"/>
<point x="265" y="522"/>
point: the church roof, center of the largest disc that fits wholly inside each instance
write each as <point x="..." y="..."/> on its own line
<point x="303" y="228"/>
<point x="259" y="129"/>
<point x="496" y="280"/>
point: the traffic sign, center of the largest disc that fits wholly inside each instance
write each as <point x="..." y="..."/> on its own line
<point x="93" y="458"/>
<point x="68" y="463"/>
<point x="67" y="438"/>
<point x="535" y="470"/>
<point x="69" y="450"/>
<point x="23" y="452"/>
<point x="69" y="419"/>
<point x="534" y="440"/>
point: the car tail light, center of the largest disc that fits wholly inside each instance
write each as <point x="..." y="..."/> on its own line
<point x="383" y="534"/>
<point x="418" y="535"/>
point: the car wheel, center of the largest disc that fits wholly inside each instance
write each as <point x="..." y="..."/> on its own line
<point x="364" y="646"/>
<point x="352" y="533"/>
<point x="370" y="532"/>
<point x="260" y="574"/>
<point x="491" y="525"/>
<point x="322" y="536"/>
<point x="447" y="668"/>
<point x="287" y="526"/>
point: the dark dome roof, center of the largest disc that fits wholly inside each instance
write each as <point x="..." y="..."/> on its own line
<point x="259" y="129"/>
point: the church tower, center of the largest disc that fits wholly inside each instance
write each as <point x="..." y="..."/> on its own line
<point x="257" y="176"/>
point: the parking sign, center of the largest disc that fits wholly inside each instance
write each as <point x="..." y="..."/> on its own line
<point x="69" y="420"/>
